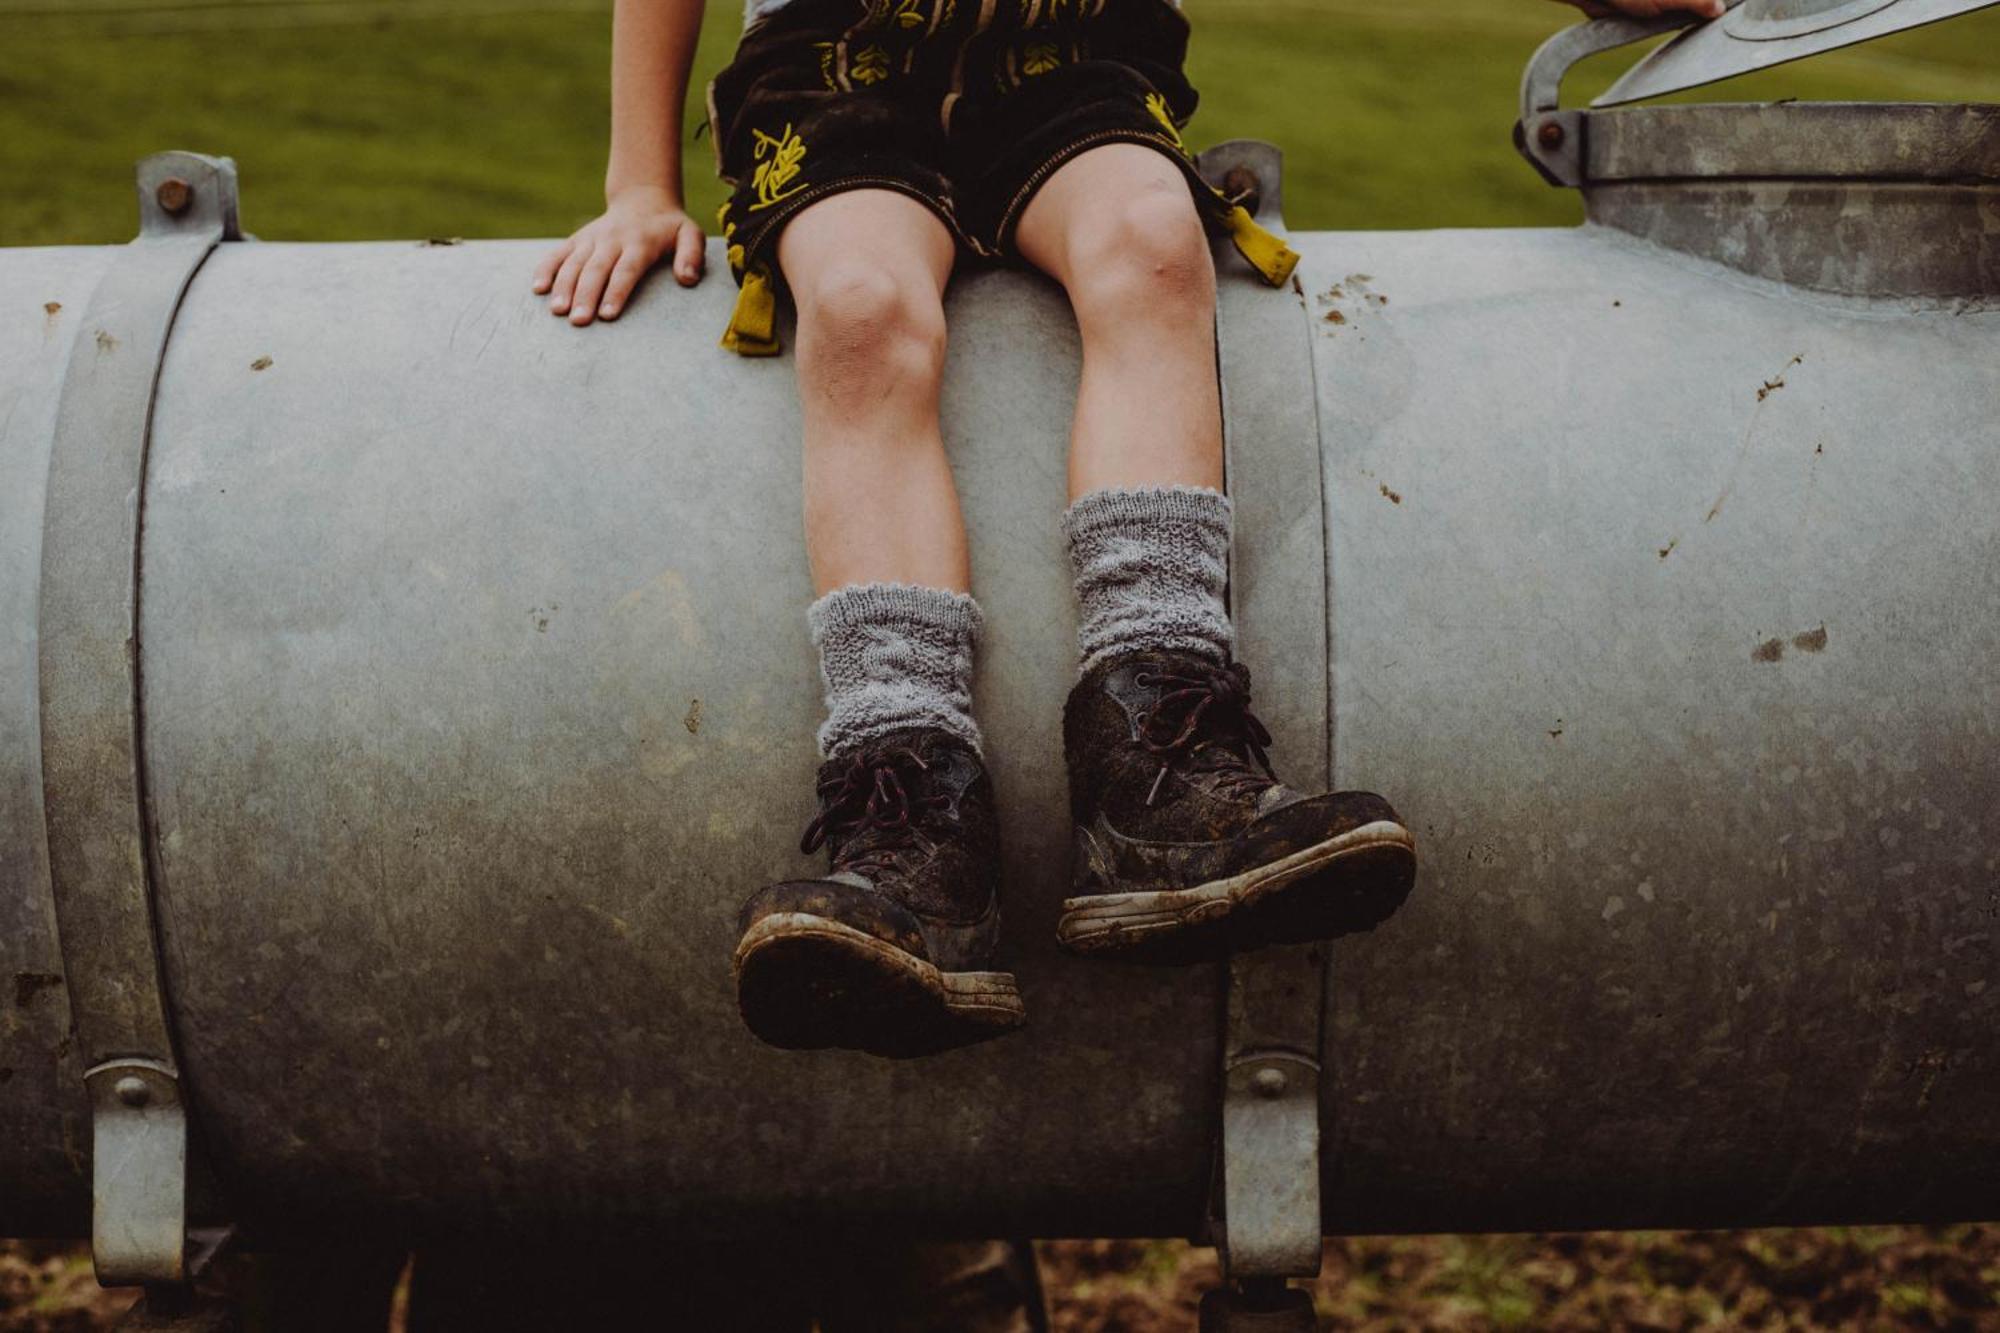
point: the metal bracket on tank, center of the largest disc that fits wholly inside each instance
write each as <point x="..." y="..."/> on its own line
<point x="1265" y="1215"/>
<point x="93" y="780"/>
<point x="1553" y="139"/>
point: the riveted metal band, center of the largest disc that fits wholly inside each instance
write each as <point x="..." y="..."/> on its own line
<point x="1267" y="1203"/>
<point x="92" y="779"/>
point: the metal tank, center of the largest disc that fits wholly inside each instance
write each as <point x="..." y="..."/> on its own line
<point x="398" y="697"/>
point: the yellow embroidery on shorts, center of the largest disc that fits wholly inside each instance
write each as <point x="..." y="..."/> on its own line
<point x="870" y="65"/>
<point x="778" y="159"/>
<point x="1158" y="106"/>
<point x="1040" y="58"/>
<point x="910" y="14"/>
<point x="826" y="52"/>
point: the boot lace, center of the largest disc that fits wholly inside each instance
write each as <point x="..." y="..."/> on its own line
<point x="1197" y="709"/>
<point x="875" y="801"/>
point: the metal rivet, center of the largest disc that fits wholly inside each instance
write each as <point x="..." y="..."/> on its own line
<point x="1269" y="1082"/>
<point x="1550" y="134"/>
<point x="174" y="195"/>
<point x="1241" y="185"/>
<point x="132" y="1090"/>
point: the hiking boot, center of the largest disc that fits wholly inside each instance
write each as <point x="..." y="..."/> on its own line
<point x="888" y="952"/>
<point x="1187" y="845"/>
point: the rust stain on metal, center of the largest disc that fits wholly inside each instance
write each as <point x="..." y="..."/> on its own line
<point x="106" y="342"/>
<point x="1770" y="386"/>
<point x="1391" y="496"/>
<point x="1812" y="641"/>
<point x="693" y="719"/>
<point x="1771" y="650"/>
<point x="1777" y="382"/>
<point x="261" y="363"/>
<point x="1668" y="549"/>
<point x="174" y="195"/>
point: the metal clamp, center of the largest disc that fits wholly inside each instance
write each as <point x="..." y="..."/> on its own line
<point x="1265" y="1210"/>
<point x="1553" y="139"/>
<point x="93" y="781"/>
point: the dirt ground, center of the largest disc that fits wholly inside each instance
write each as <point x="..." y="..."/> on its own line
<point x="1864" y="1278"/>
<point x="1832" y="1278"/>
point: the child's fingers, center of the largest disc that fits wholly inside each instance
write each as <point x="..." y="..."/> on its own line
<point x="565" y="283"/>
<point x="689" y="253"/>
<point x="545" y="272"/>
<point x="590" y="283"/>
<point x="625" y="275"/>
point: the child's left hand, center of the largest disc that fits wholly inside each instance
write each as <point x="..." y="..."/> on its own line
<point x="1646" y="9"/>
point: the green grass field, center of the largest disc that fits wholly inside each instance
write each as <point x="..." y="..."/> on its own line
<point x="363" y="119"/>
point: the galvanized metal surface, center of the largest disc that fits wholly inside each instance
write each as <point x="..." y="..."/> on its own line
<point x="1862" y="199"/>
<point x="138" y="1154"/>
<point x="1827" y="142"/>
<point x="1669" y="635"/>
<point x="1268" y="1204"/>
<point x="1676" y="647"/>
<point x="581" y="548"/>
<point x="92" y="794"/>
<point x="44" y="1117"/>
<point x="1932" y="243"/>
<point x="1759" y="34"/>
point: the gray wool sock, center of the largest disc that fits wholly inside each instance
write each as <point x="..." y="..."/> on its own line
<point x="894" y="656"/>
<point x="1151" y="565"/>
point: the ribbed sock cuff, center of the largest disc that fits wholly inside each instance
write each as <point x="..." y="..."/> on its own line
<point x="894" y="656"/>
<point x="1151" y="565"/>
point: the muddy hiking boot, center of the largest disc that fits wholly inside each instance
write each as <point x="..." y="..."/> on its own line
<point x="887" y="953"/>
<point x="1187" y="845"/>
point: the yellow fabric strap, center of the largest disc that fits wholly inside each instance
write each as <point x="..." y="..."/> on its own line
<point x="753" y="328"/>
<point x="1271" y="257"/>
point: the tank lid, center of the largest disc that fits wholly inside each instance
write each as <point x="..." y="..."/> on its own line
<point x="1757" y="34"/>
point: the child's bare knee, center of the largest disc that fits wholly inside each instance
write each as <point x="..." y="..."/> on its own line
<point x="1146" y="259"/>
<point x="859" y="315"/>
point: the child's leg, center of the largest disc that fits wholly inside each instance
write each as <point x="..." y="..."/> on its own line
<point x="867" y="270"/>
<point x="895" y="624"/>
<point x="889" y="951"/>
<point x="1116" y="227"/>
<point x="1187" y="843"/>
<point x="1148" y="527"/>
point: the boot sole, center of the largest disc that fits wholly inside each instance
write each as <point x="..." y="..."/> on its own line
<point x="807" y="983"/>
<point x="1351" y="882"/>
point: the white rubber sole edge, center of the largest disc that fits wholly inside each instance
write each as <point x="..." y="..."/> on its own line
<point x="1130" y="914"/>
<point x="970" y="994"/>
